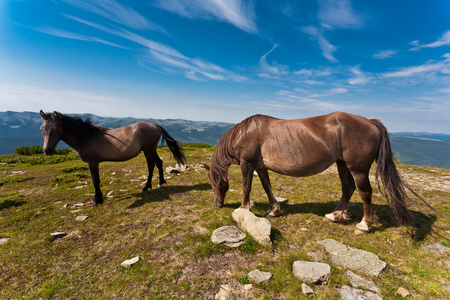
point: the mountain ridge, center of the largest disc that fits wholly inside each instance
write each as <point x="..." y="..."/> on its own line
<point x="22" y="129"/>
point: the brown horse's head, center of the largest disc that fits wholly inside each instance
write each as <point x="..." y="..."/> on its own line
<point x="219" y="183"/>
<point x="51" y="130"/>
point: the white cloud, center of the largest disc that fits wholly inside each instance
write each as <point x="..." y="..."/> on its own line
<point x="235" y="12"/>
<point x="274" y="69"/>
<point x="338" y="14"/>
<point x="359" y="77"/>
<point x="384" y="54"/>
<point x="415" y="70"/>
<point x="444" y="40"/>
<point x="324" y="44"/>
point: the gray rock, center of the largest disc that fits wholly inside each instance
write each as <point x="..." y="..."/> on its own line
<point x="315" y="256"/>
<point x="129" y="262"/>
<point x="172" y="170"/>
<point x="403" y="292"/>
<point x="357" y="281"/>
<point x="349" y="293"/>
<point x="181" y="167"/>
<point x="259" y="276"/>
<point x="3" y="241"/>
<point x="437" y="248"/>
<point x="81" y="218"/>
<point x="352" y="258"/>
<point x="230" y="236"/>
<point x="307" y="290"/>
<point x="281" y="199"/>
<point x="225" y="293"/>
<point x="258" y="228"/>
<point x="311" y="272"/>
<point x="58" y="235"/>
<point x="78" y="205"/>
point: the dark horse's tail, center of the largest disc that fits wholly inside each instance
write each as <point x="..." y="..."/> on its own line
<point x="394" y="186"/>
<point x="174" y="146"/>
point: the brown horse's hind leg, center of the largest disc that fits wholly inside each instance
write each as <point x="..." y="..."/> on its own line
<point x="365" y="191"/>
<point x="341" y="214"/>
<point x="247" y="177"/>
<point x="98" y="197"/>
<point x="151" y="165"/>
<point x="274" y="209"/>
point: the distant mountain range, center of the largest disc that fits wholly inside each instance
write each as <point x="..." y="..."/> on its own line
<point x="22" y="129"/>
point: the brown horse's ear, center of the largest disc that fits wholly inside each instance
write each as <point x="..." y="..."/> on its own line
<point x="207" y="167"/>
<point x="43" y="115"/>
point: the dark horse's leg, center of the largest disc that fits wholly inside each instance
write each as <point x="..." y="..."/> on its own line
<point x="159" y="165"/>
<point x="98" y="197"/>
<point x="247" y="177"/>
<point x="274" y="209"/>
<point x="340" y="214"/>
<point x="151" y="165"/>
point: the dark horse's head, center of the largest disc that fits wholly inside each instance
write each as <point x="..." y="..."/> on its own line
<point x="219" y="184"/>
<point x="52" y="131"/>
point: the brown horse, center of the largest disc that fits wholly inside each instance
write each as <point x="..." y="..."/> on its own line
<point x="305" y="147"/>
<point x="95" y="144"/>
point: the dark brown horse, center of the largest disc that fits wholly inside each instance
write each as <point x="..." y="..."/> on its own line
<point x="306" y="147"/>
<point x="95" y="144"/>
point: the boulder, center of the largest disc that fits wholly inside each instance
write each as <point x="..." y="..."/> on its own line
<point x="258" y="228"/>
<point x="230" y="236"/>
<point x="352" y="258"/>
<point x="311" y="272"/>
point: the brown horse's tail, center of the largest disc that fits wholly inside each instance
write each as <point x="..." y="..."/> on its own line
<point x="174" y="146"/>
<point x="394" y="186"/>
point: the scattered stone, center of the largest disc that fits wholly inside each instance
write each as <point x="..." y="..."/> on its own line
<point x="232" y="191"/>
<point x="81" y="218"/>
<point x="281" y="199"/>
<point x="58" y="235"/>
<point x="66" y="205"/>
<point x="109" y="194"/>
<point x="304" y="229"/>
<point x="113" y="173"/>
<point x="248" y="287"/>
<point x="447" y="262"/>
<point x="230" y="236"/>
<point x="75" y="211"/>
<point x="349" y="293"/>
<point x="129" y="262"/>
<point x="181" y="167"/>
<point x="3" y="241"/>
<point x="258" y="228"/>
<point x="78" y="205"/>
<point x="259" y="276"/>
<point x="225" y="293"/>
<point x="357" y="281"/>
<point x="315" y="256"/>
<point x="403" y="292"/>
<point x="352" y="258"/>
<point x="172" y="170"/>
<point x="307" y="290"/>
<point x="311" y="272"/>
<point x="80" y="187"/>
<point x="437" y="248"/>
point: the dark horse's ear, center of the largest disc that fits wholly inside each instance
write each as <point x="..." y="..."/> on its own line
<point x="43" y="115"/>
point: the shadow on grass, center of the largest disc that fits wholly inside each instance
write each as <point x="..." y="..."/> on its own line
<point x="164" y="193"/>
<point x="11" y="203"/>
<point x="420" y="229"/>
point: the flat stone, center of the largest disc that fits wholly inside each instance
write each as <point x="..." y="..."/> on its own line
<point x="281" y="199"/>
<point x="315" y="256"/>
<point x="259" y="276"/>
<point x="437" y="248"/>
<point x="81" y="218"/>
<point x="258" y="228"/>
<point x="352" y="258"/>
<point x="357" y="281"/>
<point x="78" y="205"/>
<point x="172" y="170"/>
<point x="311" y="272"/>
<point x="225" y="293"/>
<point x="307" y="290"/>
<point x="129" y="262"/>
<point x="349" y="293"/>
<point x="403" y="292"/>
<point x="58" y="235"/>
<point x="230" y="236"/>
<point x="3" y="241"/>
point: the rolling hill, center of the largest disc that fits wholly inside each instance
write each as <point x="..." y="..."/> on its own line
<point x="22" y="129"/>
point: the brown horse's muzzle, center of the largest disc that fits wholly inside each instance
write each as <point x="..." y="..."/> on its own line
<point x="218" y="203"/>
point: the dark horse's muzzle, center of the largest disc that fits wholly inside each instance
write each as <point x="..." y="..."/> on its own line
<point x="49" y="151"/>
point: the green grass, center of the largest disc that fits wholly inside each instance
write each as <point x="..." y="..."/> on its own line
<point x="170" y="229"/>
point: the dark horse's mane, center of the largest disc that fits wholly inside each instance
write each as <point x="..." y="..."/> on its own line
<point x="76" y="126"/>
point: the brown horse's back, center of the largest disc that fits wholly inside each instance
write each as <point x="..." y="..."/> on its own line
<point x="304" y="147"/>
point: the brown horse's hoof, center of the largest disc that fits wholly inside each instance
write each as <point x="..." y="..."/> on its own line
<point x="360" y="232"/>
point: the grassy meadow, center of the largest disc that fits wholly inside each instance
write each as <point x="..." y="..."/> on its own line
<point x="169" y="228"/>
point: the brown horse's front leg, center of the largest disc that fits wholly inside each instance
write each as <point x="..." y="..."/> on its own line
<point x="247" y="177"/>
<point x="98" y="197"/>
<point x="274" y="209"/>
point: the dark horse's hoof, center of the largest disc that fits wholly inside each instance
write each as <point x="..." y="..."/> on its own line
<point x="97" y="202"/>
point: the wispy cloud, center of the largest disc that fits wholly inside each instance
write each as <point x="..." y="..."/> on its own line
<point x="444" y="40"/>
<point x="335" y="14"/>
<point x="384" y="54"/>
<point x="235" y="12"/>
<point x="114" y="11"/>
<point x="316" y="35"/>
<point x="442" y="67"/>
<point x="359" y="77"/>
<point x="272" y="70"/>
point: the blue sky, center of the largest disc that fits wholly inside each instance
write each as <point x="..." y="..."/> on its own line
<point x="224" y="60"/>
